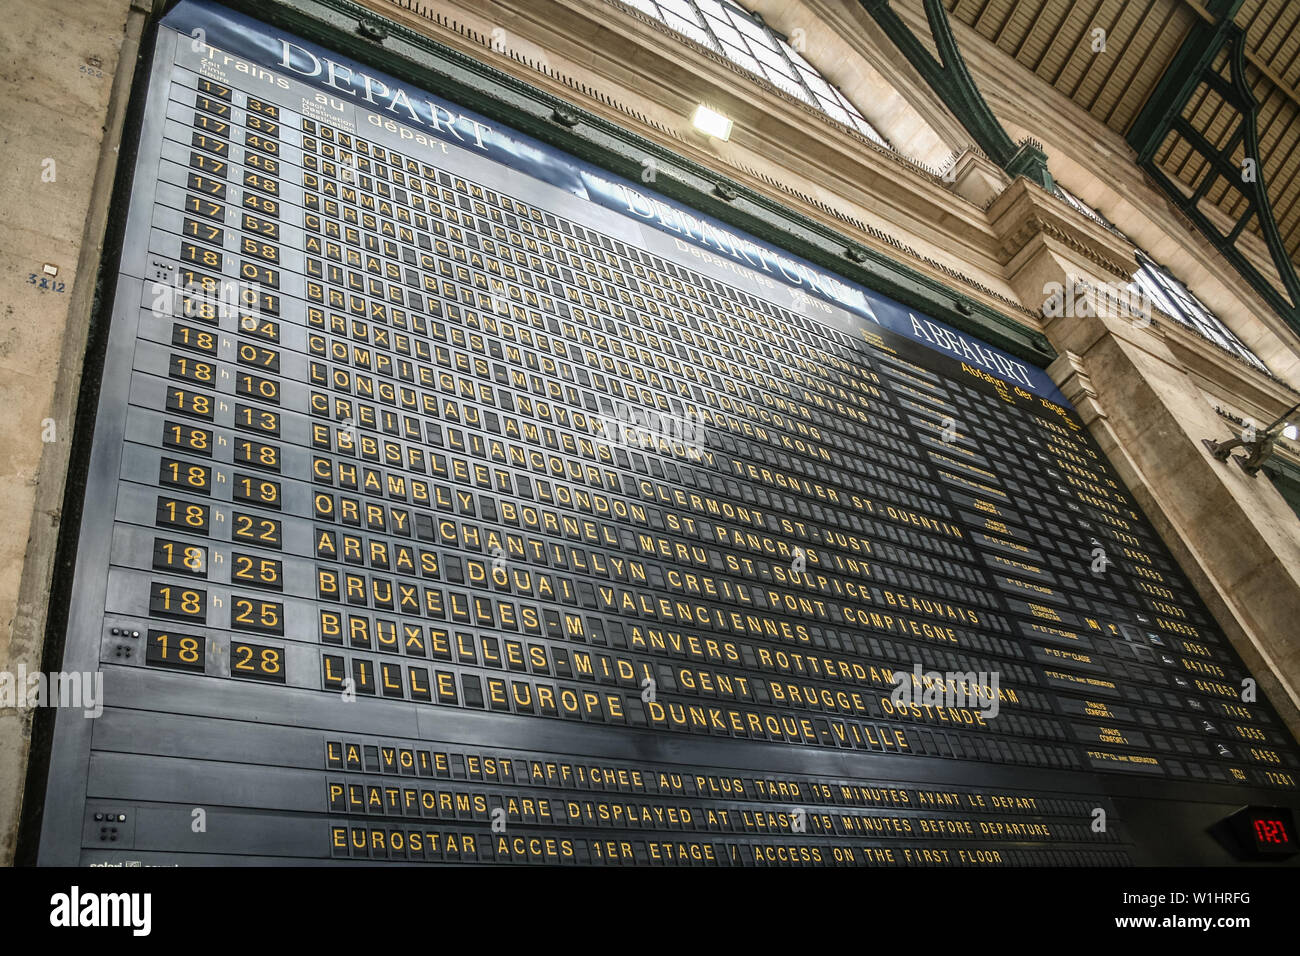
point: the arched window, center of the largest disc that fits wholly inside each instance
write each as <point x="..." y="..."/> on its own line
<point x="754" y="46"/>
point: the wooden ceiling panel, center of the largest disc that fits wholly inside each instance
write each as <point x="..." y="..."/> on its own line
<point x="1216" y="119"/>
<point x="1280" y="36"/>
<point x="1159" y="39"/>
<point x="1061" y="41"/>
<point x="1119" y="59"/>
<point x="1076" y="50"/>
<point x="963" y="9"/>
<point x="1173" y="155"/>
<point x="1084" y="60"/>
<point x="1042" y="31"/>
<point x="1271" y="117"/>
<point x="1250" y="11"/>
<point x="1121" y="21"/>
<point x="1017" y="25"/>
<point x="992" y="15"/>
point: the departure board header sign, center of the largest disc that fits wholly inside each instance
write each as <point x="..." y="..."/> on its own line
<point x="453" y="501"/>
<point x="393" y="103"/>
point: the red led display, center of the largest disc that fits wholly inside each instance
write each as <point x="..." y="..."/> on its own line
<point x="1271" y="833"/>
<point x="1264" y="832"/>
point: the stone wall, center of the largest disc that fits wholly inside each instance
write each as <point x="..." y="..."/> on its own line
<point x="66" y="67"/>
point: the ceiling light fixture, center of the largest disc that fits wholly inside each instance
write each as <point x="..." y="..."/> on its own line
<point x="711" y="122"/>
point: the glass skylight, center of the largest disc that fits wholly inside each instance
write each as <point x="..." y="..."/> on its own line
<point x="753" y="46"/>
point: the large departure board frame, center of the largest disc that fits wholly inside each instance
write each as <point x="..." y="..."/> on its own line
<point x="454" y="500"/>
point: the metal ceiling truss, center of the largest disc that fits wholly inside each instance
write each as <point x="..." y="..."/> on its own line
<point x="1192" y="69"/>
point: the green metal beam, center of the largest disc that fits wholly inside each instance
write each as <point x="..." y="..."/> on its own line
<point x="953" y="84"/>
<point x="1192" y="66"/>
<point x="1184" y="73"/>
